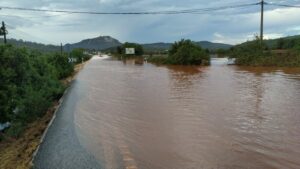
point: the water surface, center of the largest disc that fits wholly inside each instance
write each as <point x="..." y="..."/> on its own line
<point x="188" y="117"/>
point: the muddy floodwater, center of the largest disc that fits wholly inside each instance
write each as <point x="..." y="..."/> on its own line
<point x="142" y="116"/>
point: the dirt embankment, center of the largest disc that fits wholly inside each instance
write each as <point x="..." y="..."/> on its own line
<point x="18" y="153"/>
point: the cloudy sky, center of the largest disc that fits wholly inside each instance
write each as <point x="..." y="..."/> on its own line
<point x="227" y="26"/>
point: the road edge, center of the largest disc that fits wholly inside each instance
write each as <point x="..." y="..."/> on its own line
<point x="60" y="101"/>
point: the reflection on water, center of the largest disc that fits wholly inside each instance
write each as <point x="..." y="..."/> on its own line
<point x="217" y="117"/>
<point x="184" y="76"/>
<point x="135" y="61"/>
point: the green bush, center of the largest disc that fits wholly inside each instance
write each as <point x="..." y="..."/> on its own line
<point x="15" y="130"/>
<point x="1" y="137"/>
<point x="79" y="54"/>
<point x="256" y="53"/>
<point x="29" y="82"/>
<point x="185" y="52"/>
<point x="61" y="63"/>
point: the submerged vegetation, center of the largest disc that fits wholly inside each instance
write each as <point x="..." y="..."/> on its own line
<point x="184" y="52"/>
<point x="283" y="52"/>
<point x="120" y="51"/>
<point x="257" y="53"/>
<point x="29" y="82"/>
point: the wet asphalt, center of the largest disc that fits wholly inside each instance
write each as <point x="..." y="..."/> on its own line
<point x="61" y="148"/>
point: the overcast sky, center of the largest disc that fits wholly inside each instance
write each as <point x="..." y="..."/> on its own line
<point x="227" y="26"/>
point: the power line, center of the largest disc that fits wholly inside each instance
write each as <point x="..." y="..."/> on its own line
<point x="166" y="12"/>
<point x="187" y="11"/>
<point x="223" y="7"/>
<point x="32" y="17"/>
<point x="282" y="5"/>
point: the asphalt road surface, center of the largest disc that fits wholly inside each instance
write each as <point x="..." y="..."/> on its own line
<point x="61" y="148"/>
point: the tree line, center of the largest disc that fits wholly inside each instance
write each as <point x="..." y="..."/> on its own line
<point x="281" y="52"/>
<point x="30" y="81"/>
<point x="184" y="52"/>
<point x="277" y="52"/>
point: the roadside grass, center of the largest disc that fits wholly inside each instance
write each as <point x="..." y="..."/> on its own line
<point x="17" y="153"/>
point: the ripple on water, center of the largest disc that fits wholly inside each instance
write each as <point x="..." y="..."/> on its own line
<point x="190" y="117"/>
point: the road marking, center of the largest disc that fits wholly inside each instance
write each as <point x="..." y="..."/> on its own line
<point x="128" y="160"/>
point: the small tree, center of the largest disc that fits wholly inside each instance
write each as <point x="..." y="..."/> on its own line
<point x="250" y="53"/>
<point x="79" y="54"/>
<point x="185" y="52"/>
<point x="280" y="43"/>
<point x="61" y="64"/>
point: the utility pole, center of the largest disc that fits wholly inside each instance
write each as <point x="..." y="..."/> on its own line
<point x="61" y="49"/>
<point x="3" y="31"/>
<point x="262" y="21"/>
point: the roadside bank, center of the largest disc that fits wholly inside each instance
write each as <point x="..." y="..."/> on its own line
<point x="18" y="153"/>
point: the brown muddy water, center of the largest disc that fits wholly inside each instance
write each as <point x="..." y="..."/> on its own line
<point x="184" y="117"/>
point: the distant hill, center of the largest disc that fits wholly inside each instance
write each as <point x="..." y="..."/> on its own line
<point x="272" y="43"/>
<point x="98" y="43"/>
<point x="107" y="43"/>
<point x="156" y="46"/>
<point x="32" y="45"/>
<point x="203" y="44"/>
<point x="212" y="45"/>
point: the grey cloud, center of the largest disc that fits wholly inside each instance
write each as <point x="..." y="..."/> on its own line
<point x="235" y="25"/>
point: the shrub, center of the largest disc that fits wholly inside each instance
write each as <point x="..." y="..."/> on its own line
<point x="15" y="130"/>
<point x="255" y="53"/>
<point x="250" y="53"/>
<point x="61" y="63"/>
<point x="29" y="82"/>
<point x="1" y="137"/>
<point x="185" y="52"/>
<point x="79" y="54"/>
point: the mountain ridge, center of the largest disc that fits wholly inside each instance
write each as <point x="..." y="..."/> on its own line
<point x="98" y="43"/>
<point x="107" y="42"/>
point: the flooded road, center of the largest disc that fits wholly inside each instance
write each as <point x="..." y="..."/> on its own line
<point x="177" y="117"/>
